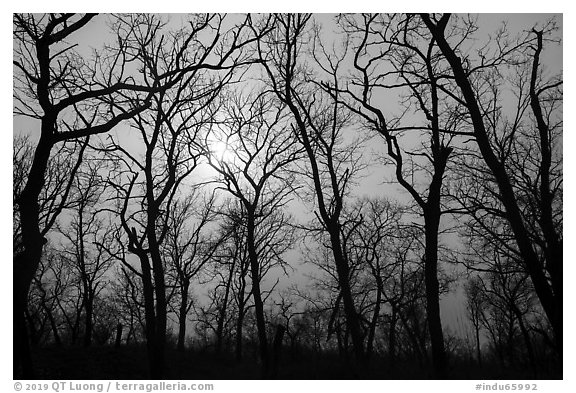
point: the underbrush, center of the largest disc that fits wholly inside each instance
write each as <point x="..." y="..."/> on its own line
<point x="130" y="362"/>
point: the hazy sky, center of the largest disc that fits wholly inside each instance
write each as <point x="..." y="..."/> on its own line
<point x="96" y="32"/>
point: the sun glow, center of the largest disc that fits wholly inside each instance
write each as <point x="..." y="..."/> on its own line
<point x="221" y="151"/>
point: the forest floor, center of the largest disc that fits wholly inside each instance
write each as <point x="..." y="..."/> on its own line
<point x="131" y="363"/>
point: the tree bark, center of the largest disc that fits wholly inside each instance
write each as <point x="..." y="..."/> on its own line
<point x="158" y="361"/>
<point x="182" y="316"/>
<point x="352" y="318"/>
<point x="26" y="263"/>
<point x="53" y="326"/>
<point x="239" y="326"/>
<point x="392" y="336"/>
<point x="118" y="340"/>
<point x="478" y="351"/>
<point x="149" y="312"/>
<point x="375" y="316"/>
<point x="241" y="313"/>
<point x="88" y="320"/>
<point x="34" y="333"/>
<point x="414" y="340"/>
<point x="222" y="316"/>
<point x="432" y="220"/>
<point x="257" y="295"/>
<point x="527" y="341"/>
<point x="553" y="249"/>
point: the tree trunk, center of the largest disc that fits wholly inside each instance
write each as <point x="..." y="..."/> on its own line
<point x="341" y="351"/>
<point x="277" y="349"/>
<point x="413" y="339"/>
<point x="478" y="351"/>
<point x="374" y="321"/>
<point x="182" y="316"/>
<point x="258" y="303"/>
<point x="23" y="368"/>
<point x="222" y="315"/>
<point x="53" y="326"/>
<point x="26" y="263"/>
<point x="149" y="311"/>
<point x="343" y="271"/>
<point x="432" y="221"/>
<point x="89" y="310"/>
<point x="332" y="225"/>
<point x="432" y="214"/>
<point x="239" y="325"/>
<point x="118" y="340"/>
<point x="34" y="333"/>
<point x="527" y="341"/>
<point x="76" y="326"/>
<point x="392" y="336"/>
<point x="130" y="333"/>
<point x="157" y="372"/>
<point x="553" y="249"/>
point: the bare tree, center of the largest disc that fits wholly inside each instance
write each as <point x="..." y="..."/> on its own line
<point x="391" y="53"/>
<point x="21" y="160"/>
<point x="256" y="155"/>
<point x="128" y="295"/>
<point x="193" y="75"/>
<point x="49" y="287"/>
<point x="85" y="230"/>
<point x="319" y="128"/>
<point x="188" y="248"/>
<point x="545" y="273"/>
<point x="369" y="230"/>
<point x="475" y="308"/>
<point x="238" y="268"/>
<point x="156" y="205"/>
<point x="53" y="85"/>
<point x="64" y="164"/>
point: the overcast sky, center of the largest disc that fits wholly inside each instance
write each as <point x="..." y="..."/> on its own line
<point x="373" y="184"/>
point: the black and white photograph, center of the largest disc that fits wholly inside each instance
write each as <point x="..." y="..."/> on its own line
<point x="287" y="196"/>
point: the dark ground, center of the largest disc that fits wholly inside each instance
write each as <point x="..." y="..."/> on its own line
<point x="131" y="363"/>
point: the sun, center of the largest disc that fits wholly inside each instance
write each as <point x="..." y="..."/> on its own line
<point x="221" y="151"/>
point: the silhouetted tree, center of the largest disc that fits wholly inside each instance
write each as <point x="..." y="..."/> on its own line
<point x="545" y="273"/>
<point x="83" y="232"/>
<point x="396" y="52"/>
<point x="188" y="248"/>
<point x="128" y="296"/>
<point x="237" y="262"/>
<point x="158" y="204"/>
<point x="66" y="94"/>
<point x="51" y="284"/>
<point x="254" y="169"/>
<point x="319" y="124"/>
<point x="371" y="232"/>
<point x="475" y="304"/>
<point x="193" y="75"/>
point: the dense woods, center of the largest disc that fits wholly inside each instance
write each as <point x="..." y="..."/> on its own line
<point x="287" y="196"/>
